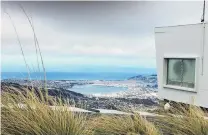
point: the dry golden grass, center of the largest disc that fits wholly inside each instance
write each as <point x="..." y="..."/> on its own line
<point x="28" y="114"/>
<point x="124" y="125"/>
<point x="184" y="121"/>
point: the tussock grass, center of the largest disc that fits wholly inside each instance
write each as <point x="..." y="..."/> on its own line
<point x="184" y="121"/>
<point x="124" y="125"/>
<point x="29" y="114"/>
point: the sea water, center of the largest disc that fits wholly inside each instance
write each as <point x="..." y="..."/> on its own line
<point x="67" y="76"/>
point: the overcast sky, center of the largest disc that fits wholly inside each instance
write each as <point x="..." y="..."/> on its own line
<point x="90" y="36"/>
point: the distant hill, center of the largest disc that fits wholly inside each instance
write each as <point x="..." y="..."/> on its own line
<point x="54" y="92"/>
<point x="149" y="80"/>
<point x="152" y="77"/>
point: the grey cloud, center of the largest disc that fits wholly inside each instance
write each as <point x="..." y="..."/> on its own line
<point x="86" y="26"/>
<point x="133" y="18"/>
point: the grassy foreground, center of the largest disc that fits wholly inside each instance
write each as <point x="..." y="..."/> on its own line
<point x="25" y="113"/>
<point x="124" y="125"/>
<point x="184" y="121"/>
<point x="28" y="114"/>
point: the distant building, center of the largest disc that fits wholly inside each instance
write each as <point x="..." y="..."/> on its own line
<point x="182" y="63"/>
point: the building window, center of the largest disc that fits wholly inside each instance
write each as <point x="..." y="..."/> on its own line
<point x="181" y="72"/>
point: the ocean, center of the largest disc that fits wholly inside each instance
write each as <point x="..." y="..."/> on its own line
<point x="68" y="76"/>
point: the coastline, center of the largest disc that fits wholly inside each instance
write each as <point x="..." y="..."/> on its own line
<point x="134" y="93"/>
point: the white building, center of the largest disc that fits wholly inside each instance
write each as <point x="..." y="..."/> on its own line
<point x="182" y="63"/>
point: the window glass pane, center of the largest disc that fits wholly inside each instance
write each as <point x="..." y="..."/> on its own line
<point x="174" y="72"/>
<point x="188" y="73"/>
<point x="181" y="72"/>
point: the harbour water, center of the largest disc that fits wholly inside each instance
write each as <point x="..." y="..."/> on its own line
<point x="97" y="89"/>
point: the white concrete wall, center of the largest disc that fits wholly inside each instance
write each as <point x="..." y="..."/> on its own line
<point x="183" y="41"/>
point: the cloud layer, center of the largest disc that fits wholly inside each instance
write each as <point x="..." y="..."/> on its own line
<point x="118" y="34"/>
